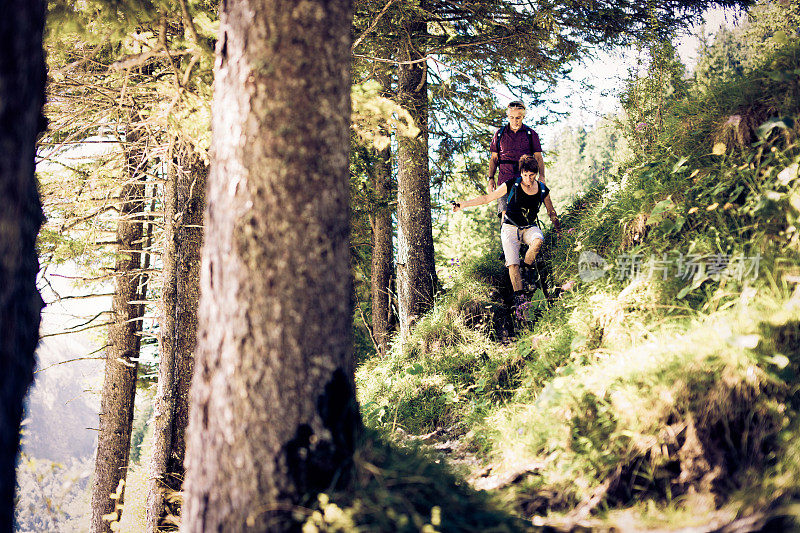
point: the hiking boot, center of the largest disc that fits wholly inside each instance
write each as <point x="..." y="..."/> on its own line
<point x="528" y="274"/>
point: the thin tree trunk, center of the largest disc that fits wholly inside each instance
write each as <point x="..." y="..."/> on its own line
<point x="119" y="383"/>
<point x="382" y="249"/>
<point x="382" y="246"/>
<point x="416" y="271"/>
<point x="184" y="201"/>
<point x="273" y="417"/>
<point x="22" y="82"/>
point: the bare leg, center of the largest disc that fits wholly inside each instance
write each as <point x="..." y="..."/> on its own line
<point x="533" y="251"/>
<point x="516" y="278"/>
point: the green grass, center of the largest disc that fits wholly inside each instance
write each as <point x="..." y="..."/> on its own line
<point x="682" y="390"/>
<point x="404" y="488"/>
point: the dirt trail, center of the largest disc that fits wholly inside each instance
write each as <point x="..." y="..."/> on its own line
<point x="453" y="446"/>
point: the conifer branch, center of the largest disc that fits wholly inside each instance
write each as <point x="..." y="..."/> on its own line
<point x="371" y="26"/>
<point x="72" y="360"/>
<point x="104" y="324"/>
<point x="79" y="297"/>
<point x="189" y="21"/>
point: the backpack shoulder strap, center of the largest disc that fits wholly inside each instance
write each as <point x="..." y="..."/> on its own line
<point x="513" y="189"/>
<point x="500" y="133"/>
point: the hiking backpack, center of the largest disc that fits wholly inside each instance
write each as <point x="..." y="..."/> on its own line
<point x="500" y="132"/>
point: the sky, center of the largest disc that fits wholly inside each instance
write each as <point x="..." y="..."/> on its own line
<point x="607" y="71"/>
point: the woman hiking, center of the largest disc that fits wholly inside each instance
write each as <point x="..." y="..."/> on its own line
<point x="524" y="196"/>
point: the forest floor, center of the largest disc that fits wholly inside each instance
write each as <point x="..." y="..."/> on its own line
<point x="452" y="446"/>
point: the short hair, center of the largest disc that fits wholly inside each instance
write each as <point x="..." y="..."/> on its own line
<point x="528" y="162"/>
<point x="516" y="104"/>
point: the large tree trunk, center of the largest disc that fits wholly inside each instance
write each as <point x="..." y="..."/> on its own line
<point x="22" y="81"/>
<point x="273" y="417"/>
<point x="416" y="271"/>
<point x="119" y="383"/>
<point x="184" y="202"/>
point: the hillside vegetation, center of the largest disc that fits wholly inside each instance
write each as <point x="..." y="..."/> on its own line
<point x="662" y="390"/>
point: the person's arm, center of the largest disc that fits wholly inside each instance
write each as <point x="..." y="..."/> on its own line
<point x="540" y="163"/>
<point x="480" y="200"/>
<point x="551" y="211"/>
<point x="492" y="185"/>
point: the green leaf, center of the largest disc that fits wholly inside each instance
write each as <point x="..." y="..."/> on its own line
<point x="679" y="222"/>
<point x="414" y="369"/>
<point x="679" y="165"/>
<point x="656" y="215"/>
<point x="684" y="291"/>
<point x="736" y="192"/>
<point x="788" y="174"/>
<point x="698" y="280"/>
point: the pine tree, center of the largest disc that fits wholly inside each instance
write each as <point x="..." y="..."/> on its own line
<point x="184" y="202"/>
<point x="157" y="55"/>
<point x="122" y="354"/>
<point x="22" y="81"/>
<point x="382" y="250"/>
<point x="416" y="269"/>
<point x="273" y="417"/>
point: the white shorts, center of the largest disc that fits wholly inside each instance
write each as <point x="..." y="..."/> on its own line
<point x="512" y="238"/>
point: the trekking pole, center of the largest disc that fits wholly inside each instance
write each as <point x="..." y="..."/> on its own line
<point x="537" y="265"/>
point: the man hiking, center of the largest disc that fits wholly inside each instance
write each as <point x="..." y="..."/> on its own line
<point x="524" y="196"/>
<point x="509" y="143"/>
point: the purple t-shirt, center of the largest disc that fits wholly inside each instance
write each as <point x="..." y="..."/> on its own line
<point x="513" y="145"/>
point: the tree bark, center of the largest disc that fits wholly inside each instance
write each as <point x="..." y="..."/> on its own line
<point x="22" y="83"/>
<point x="119" y="383"/>
<point x="416" y="270"/>
<point x="184" y="202"/>
<point x="273" y="418"/>
<point x="382" y="247"/>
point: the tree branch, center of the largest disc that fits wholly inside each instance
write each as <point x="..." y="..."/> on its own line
<point x="371" y="26"/>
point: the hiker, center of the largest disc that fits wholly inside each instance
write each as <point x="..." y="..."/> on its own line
<point x="524" y="196"/>
<point x="509" y="143"/>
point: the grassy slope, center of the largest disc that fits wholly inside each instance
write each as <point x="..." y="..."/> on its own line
<point x="669" y="398"/>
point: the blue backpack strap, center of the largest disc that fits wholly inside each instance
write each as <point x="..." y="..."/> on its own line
<point x="544" y="190"/>
<point x="513" y="189"/>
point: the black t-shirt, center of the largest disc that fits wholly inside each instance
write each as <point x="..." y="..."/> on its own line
<point x="523" y="207"/>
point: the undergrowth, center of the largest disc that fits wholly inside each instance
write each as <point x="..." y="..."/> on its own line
<point x="665" y="385"/>
<point x="404" y="488"/>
